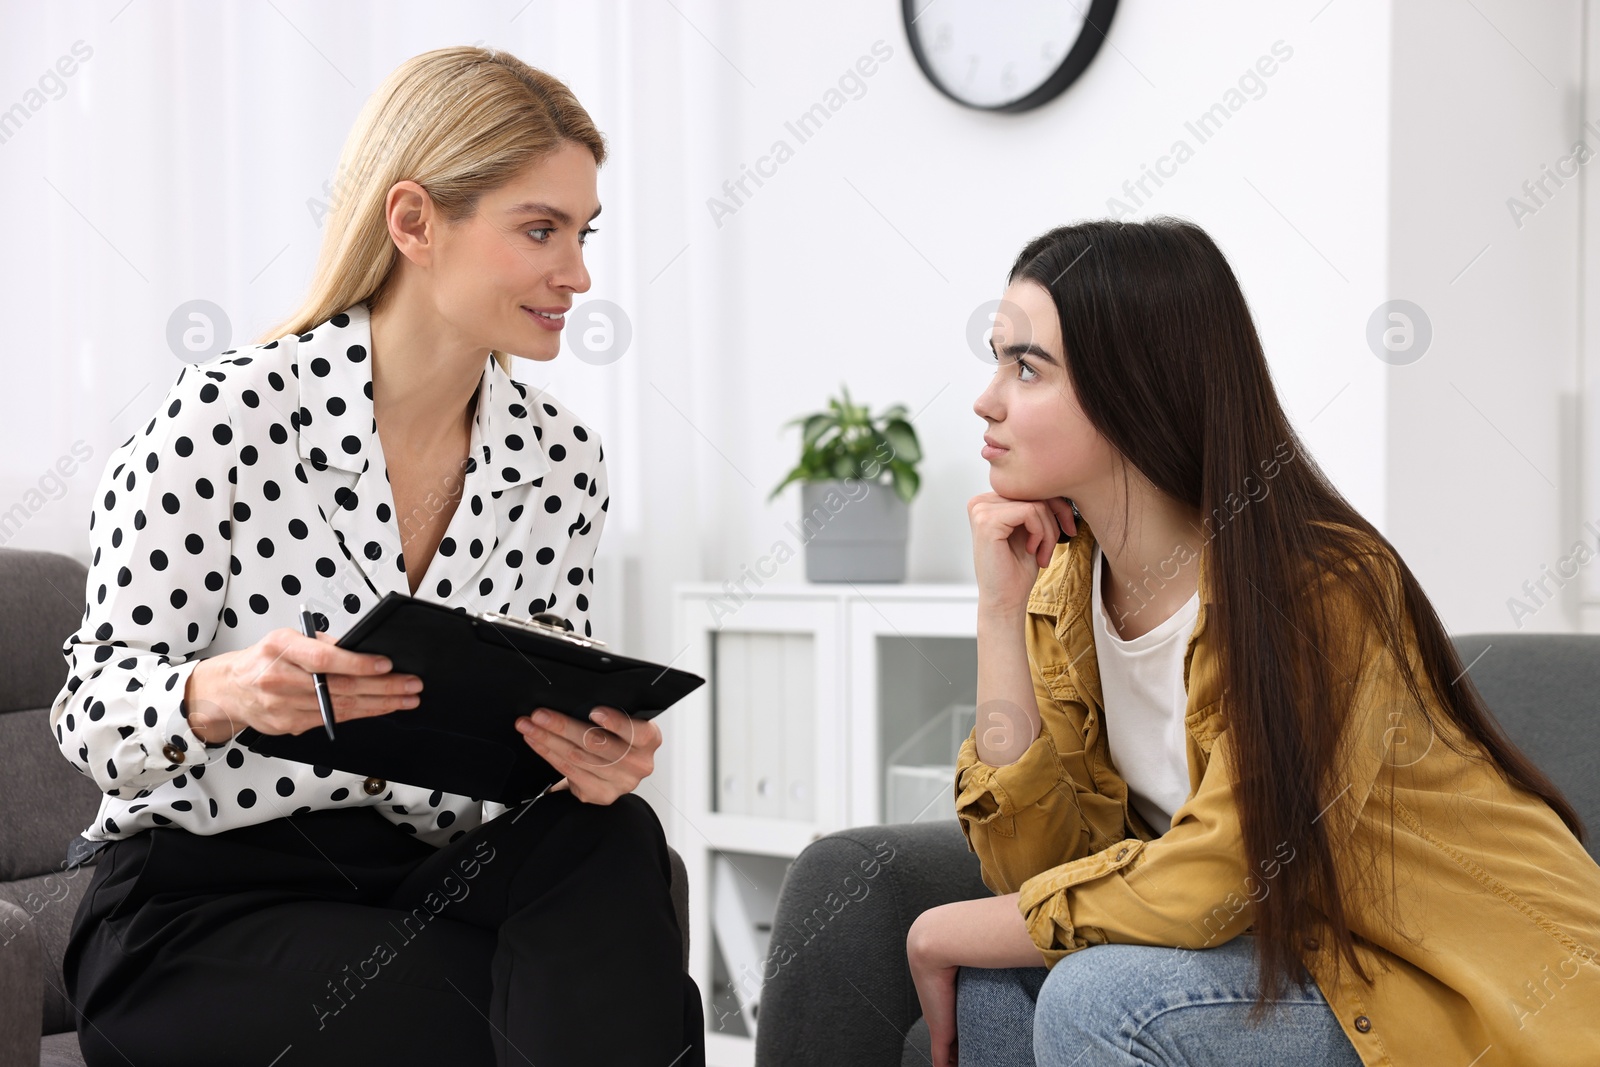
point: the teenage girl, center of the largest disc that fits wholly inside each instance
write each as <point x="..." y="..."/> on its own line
<point x="1226" y="758"/>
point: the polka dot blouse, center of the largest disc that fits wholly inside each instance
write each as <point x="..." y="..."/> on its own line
<point x="260" y="485"/>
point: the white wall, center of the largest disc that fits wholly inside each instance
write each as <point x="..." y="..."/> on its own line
<point x="1483" y="470"/>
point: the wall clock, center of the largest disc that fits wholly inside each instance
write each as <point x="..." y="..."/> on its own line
<point x="1005" y="55"/>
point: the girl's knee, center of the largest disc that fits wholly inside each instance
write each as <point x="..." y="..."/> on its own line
<point x="1091" y="992"/>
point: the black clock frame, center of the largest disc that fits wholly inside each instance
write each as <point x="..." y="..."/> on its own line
<point x="1095" y="26"/>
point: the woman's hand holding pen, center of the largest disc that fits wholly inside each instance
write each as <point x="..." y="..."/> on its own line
<point x="269" y="686"/>
<point x="602" y="761"/>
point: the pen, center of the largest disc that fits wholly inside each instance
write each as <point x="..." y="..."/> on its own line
<point x="308" y="626"/>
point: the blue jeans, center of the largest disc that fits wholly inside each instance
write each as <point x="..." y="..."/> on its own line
<point x="1142" y="1006"/>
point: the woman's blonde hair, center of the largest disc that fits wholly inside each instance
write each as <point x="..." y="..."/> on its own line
<point x="457" y="121"/>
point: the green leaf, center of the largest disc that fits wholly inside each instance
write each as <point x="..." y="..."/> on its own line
<point x="906" y="481"/>
<point x="903" y="439"/>
<point x="816" y="426"/>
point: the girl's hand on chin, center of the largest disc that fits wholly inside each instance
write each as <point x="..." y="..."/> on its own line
<point x="1011" y="541"/>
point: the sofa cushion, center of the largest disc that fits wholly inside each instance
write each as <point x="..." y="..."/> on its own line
<point x="41" y="604"/>
<point x="48" y="802"/>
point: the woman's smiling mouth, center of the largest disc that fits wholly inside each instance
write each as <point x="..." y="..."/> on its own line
<point x="547" y="318"/>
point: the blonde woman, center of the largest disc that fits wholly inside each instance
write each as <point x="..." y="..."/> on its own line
<point x="247" y="909"/>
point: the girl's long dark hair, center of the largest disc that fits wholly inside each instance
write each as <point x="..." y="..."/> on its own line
<point x="1165" y="362"/>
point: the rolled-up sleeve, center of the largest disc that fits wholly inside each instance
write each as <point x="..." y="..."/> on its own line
<point x="1027" y="816"/>
<point x="1188" y="888"/>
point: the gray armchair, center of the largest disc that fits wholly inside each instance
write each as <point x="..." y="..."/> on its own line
<point x="47" y="803"/>
<point x="845" y="995"/>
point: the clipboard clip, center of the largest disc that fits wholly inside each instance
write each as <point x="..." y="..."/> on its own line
<point x="536" y="624"/>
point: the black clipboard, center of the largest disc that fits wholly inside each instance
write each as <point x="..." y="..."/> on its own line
<point x="480" y="672"/>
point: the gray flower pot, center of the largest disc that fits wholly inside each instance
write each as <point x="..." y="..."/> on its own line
<point x="854" y="531"/>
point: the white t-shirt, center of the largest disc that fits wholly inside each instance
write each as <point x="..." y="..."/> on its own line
<point x="1141" y="681"/>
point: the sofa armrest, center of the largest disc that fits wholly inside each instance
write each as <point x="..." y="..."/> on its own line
<point x="837" y="988"/>
<point x="21" y="988"/>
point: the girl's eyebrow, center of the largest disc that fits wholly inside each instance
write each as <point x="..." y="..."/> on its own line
<point x="1029" y="349"/>
<point x="548" y="211"/>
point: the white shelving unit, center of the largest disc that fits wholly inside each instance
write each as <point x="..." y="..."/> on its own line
<point x="810" y="689"/>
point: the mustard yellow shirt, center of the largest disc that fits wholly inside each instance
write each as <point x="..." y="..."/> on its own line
<point x="1489" y="955"/>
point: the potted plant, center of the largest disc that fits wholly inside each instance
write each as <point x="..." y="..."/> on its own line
<point x="855" y="530"/>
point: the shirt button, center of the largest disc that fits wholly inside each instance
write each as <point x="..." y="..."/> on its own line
<point x="1363" y="1023"/>
<point x="1121" y="853"/>
<point x="173" y="753"/>
<point x="373" y="786"/>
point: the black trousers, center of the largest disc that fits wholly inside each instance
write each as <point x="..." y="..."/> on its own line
<point x="546" y="936"/>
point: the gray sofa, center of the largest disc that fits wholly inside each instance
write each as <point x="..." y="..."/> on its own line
<point x="845" y="996"/>
<point x="47" y="803"/>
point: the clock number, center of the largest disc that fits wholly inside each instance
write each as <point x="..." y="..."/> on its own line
<point x="972" y="70"/>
